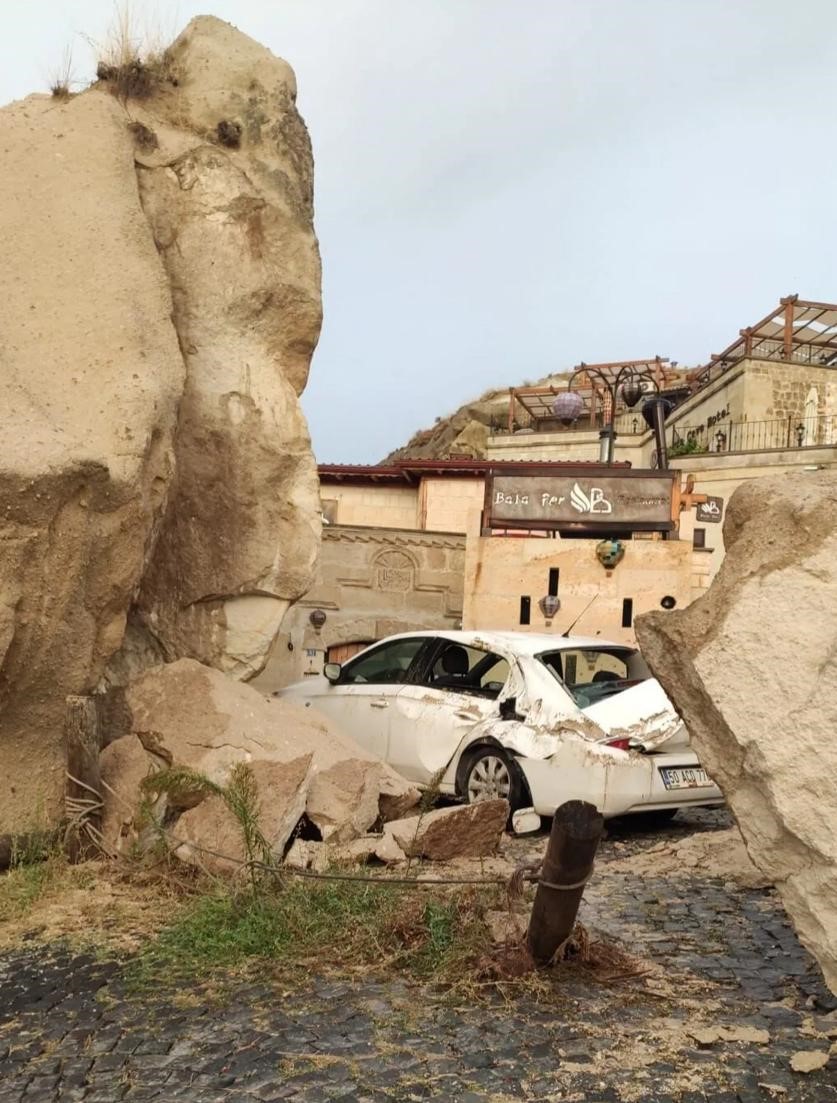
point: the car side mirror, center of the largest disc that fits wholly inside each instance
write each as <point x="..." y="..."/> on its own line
<point x="332" y="672"/>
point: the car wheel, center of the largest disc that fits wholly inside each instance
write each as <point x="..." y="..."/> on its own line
<point x="492" y="773"/>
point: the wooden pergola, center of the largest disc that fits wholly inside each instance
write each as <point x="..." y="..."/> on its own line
<point x="798" y="331"/>
<point x="537" y="401"/>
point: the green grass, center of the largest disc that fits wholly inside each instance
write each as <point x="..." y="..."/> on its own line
<point x="35" y="866"/>
<point x="323" y="923"/>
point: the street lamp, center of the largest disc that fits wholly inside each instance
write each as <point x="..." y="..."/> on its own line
<point x="629" y="384"/>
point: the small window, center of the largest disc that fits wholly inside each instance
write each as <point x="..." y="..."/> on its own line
<point x="389" y="663"/>
<point x="554" y="577"/>
<point x="699" y="538"/>
<point x="627" y="612"/>
<point x="329" y="510"/>
<point x="525" y="610"/>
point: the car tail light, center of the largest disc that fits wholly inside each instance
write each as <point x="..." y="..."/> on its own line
<point x="619" y="744"/>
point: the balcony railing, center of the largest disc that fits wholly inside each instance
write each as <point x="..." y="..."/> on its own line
<point x="624" y="424"/>
<point x="753" y="436"/>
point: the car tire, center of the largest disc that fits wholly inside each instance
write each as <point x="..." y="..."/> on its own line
<point x="491" y="772"/>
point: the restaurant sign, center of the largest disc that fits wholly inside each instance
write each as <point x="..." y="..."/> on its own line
<point x="639" y="500"/>
<point x="711" y="511"/>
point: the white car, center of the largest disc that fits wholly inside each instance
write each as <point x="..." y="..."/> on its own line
<point x="537" y="719"/>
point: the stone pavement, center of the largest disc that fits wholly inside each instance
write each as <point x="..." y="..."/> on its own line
<point x="69" y="1031"/>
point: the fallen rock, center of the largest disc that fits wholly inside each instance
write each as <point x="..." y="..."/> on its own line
<point x="809" y="1060"/>
<point x="388" y="851"/>
<point x="709" y="1035"/>
<point x="201" y="719"/>
<point x="752" y="668"/>
<point x="211" y="836"/>
<point x="344" y="799"/>
<point x="505" y="927"/>
<point x="307" y="854"/>
<point x="361" y="851"/>
<point x="124" y="765"/>
<point x="470" y="830"/>
<point x="190" y="717"/>
<point x="715" y="853"/>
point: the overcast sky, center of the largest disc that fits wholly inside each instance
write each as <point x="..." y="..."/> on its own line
<point x="507" y="187"/>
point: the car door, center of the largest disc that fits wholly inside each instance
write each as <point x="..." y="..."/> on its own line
<point x="431" y="715"/>
<point x="360" y="701"/>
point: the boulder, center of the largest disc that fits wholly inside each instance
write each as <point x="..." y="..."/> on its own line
<point x="306" y="854"/>
<point x="124" y="765"/>
<point x="191" y="717"/>
<point x="157" y="486"/>
<point x="380" y="848"/>
<point x="343" y="802"/>
<point x="752" y="668"/>
<point x="212" y="837"/>
<point x="196" y="717"/>
<point x="467" y="831"/>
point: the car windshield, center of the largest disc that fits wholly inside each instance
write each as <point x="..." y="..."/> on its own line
<point x="590" y="674"/>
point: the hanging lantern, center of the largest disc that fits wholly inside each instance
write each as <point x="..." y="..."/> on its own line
<point x="568" y="407"/>
<point x="631" y="392"/>
<point x="609" y="553"/>
<point x="549" y="606"/>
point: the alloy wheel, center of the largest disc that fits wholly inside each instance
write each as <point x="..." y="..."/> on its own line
<point x="489" y="779"/>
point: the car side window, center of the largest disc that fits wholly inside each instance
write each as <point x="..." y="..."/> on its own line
<point x="467" y="670"/>
<point x="387" y="664"/>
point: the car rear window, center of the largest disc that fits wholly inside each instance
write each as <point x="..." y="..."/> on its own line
<point x="589" y="674"/>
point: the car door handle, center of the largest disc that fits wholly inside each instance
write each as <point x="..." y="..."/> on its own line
<point x="464" y="715"/>
<point x="379" y="704"/>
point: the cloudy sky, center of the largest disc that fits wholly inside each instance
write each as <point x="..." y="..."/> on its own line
<point x="507" y="187"/>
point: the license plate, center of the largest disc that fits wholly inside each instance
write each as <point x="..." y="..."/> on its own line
<point x="685" y="777"/>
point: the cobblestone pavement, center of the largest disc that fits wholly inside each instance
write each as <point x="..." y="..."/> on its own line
<point x="68" y="1031"/>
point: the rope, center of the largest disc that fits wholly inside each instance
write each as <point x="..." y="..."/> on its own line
<point x="566" y="888"/>
<point x="524" y="873"/>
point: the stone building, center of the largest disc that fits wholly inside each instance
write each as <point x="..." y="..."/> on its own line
<point x="766" y="405"/>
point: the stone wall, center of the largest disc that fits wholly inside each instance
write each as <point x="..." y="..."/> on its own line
<point x="501" y="570"/>
<point x="372" y="582"/>
<point x="379" y="505"/>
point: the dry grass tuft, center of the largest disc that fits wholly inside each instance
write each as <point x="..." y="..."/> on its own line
<point x="61" y="81"/>
<point x="132" y="61"/>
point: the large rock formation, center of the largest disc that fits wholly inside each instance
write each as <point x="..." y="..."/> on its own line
<point x="161" y="300"/>
<point x="752" y="667"/>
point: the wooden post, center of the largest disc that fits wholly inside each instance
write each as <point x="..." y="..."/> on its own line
<point x="83" y="792"/>
<point x="787" y="342"/>
<point x="568" y="863"/>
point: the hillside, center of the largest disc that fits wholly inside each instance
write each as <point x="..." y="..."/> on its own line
<point x="466" y="430"/>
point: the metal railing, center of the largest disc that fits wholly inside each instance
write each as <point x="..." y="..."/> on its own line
<point x="753" y="436"/>
<point x="625" y="424"/>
